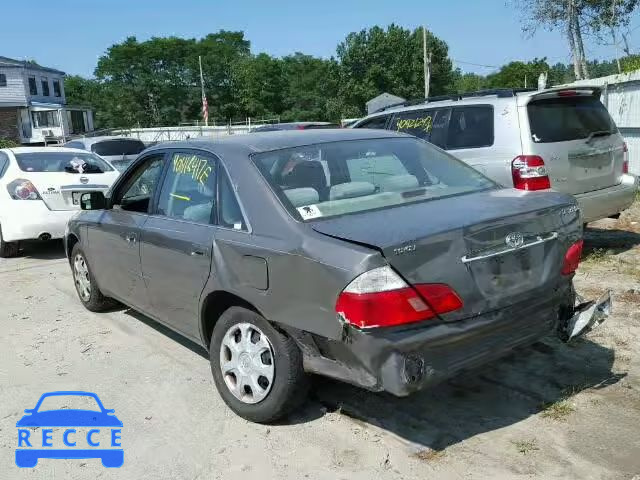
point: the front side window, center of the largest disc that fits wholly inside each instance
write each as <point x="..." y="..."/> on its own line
<point x="4" y="163"/>
<point x="57" y="92"/>
<point x="3" y="80"/>
<point x="33" y="87"/>
<point x="470" y="127"/>
<point x="138" y="189"/>
<point x="45" y="119"/>
<point x="338" y="178"/>
<point x="189" y="188"/>
<point x="45" y="86"/>
<point x="70" y="162"/>
<point x="430" y="125"/>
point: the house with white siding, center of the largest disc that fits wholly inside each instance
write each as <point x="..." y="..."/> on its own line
<point x="33" y="107"/>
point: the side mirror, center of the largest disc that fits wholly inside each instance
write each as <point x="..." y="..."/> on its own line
<point x="93" y="201"/>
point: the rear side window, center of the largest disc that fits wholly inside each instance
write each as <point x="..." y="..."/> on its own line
<point x="377" y="122"/>
<point x="470" y="127"/>
<point x="118" y="147"/>
<point x="430" y="125"/>
<point x="562" y="119"/>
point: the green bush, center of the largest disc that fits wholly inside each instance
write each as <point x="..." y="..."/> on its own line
<point x="6" y="143"/>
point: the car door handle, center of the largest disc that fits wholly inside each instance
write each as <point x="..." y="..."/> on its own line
<point x="198" y="253"/>
<point x="131" y="238"/>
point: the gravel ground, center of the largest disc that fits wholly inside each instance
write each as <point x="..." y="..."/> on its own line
<point x="549" y="411"/>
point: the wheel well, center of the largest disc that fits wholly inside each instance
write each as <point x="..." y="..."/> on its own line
<point x="214" y="306"/>
<point x="71" y="242"/>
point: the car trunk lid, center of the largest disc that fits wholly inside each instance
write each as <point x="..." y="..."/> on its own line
<point x="60" y="190"/>
<point x="462" y="242"/>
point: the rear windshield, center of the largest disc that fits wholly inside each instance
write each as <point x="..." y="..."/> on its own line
<point x="338" y="178"/>
<point x="71" y="162"/>
<point x="568" y="118"/>
<point x="109" y="148"/>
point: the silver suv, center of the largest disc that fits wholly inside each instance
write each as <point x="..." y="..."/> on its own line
<point x="561" y="139"/>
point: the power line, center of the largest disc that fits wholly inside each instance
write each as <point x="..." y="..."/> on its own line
<point x="474" y="64"/>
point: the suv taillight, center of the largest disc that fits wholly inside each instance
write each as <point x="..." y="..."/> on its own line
<point x="572" y="258"/>
<point x="21" y="189"/>
<point x="529" y="173"/>
<point x="380" y="298"/>
<point x="625" y="158"/>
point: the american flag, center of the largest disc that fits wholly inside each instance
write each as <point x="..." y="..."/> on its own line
<point x="205" y="104"/>
<point x="205" y="108"/>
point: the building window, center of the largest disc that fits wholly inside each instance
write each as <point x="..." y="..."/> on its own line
<point x="56" y="88"/>
<point x="45" y="87"/>
<point x="33" y="87"/>
<point x="3" y="80"/>
<point x="48" y="118"/>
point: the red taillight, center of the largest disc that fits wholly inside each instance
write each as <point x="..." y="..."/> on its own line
<point x="625" y="158"/>
<point x="529" y="173"/>
<point x="572" y="258"/>
<point x="21" y="189"/>
<point x="380" y="298"/>
<point x="567" y="93"/>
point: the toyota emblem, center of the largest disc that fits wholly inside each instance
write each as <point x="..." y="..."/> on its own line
<point x="84" y="180"/>
<point x="514" y="240"/>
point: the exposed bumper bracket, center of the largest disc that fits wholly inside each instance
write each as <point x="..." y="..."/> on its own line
<point x="586" y="317"/>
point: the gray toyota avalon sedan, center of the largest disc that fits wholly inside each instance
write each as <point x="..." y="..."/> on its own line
<point x="368" y="256"/>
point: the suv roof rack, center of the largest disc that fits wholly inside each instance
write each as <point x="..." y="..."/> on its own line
<point x="499" y="92"/>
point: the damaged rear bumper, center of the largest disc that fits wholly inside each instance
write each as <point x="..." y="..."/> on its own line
<point x="402" y="361"/>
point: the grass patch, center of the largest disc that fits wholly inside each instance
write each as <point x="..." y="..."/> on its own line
<point x="559" y="410"/>
<point x="526" y="446"/>
<point x="428" y="455"/>
<point x="596" y="255"/>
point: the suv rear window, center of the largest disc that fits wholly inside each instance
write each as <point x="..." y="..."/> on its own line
<point x="568" y="118"/>
<point x="338" y="178"/>
<point x="70" y="162"/>
<point x="110" y="148"/>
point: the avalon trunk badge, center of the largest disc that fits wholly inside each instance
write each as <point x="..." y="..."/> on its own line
<point x="84" y="180"/>
<point x="514" y="240"/>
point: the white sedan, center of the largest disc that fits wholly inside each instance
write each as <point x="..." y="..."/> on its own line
<point x="40" y="190"/>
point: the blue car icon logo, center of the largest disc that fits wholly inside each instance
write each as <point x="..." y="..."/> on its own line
<point x="42" y="433"/>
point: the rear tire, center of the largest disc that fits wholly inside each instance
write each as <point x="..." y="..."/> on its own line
<point x="263" y="379"/>
<point x="8" y="249"/>
<point x="86" y="286"/>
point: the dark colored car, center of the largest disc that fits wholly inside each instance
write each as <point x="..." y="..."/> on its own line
<point x="368" y="256"/>
<point x="274" y="127"/>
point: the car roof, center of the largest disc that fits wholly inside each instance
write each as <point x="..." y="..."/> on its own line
<point x="490" y="98"/>
<point x="278" y="140"/>
<point x="104" y="138"/>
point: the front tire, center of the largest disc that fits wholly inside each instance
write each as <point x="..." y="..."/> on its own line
<point x="88" y="291"/>
<point x="8" y="249"/>
<point x="257" y="369"/>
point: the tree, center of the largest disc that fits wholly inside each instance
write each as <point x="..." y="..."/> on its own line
<point x="518" y="74"/>
<point x="377" y="60"/>
<point x="577" y="19"/>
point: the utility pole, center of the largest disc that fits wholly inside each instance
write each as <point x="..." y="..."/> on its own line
<point x="427" y="63"/>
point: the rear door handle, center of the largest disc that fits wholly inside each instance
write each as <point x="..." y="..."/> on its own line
<point x="199" y="253"/>
<point x="131" y="238"/>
